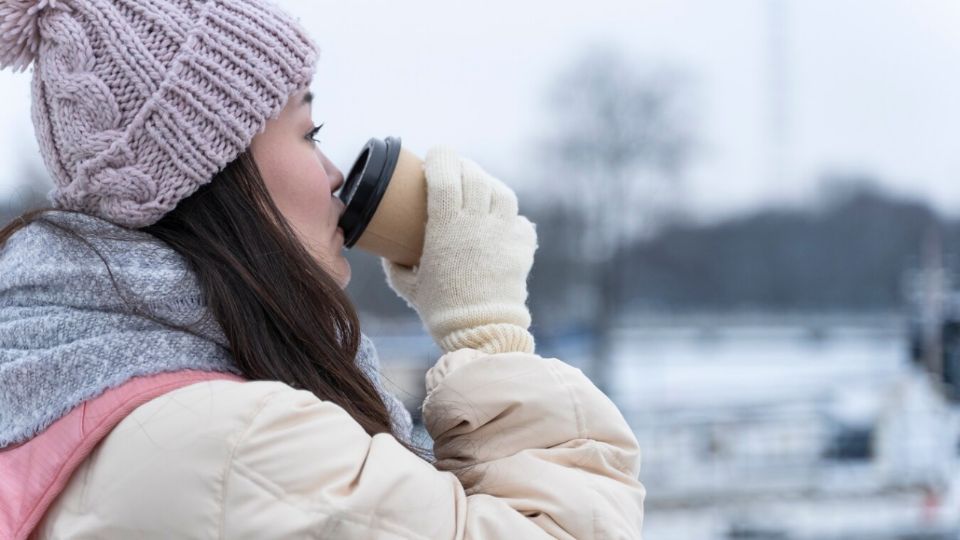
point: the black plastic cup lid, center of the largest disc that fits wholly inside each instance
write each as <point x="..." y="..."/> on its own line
<point x="365" y="185"/>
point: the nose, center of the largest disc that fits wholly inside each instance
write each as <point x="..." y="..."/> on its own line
<point x="337" y="179"/>
<point x="332" y="172"/>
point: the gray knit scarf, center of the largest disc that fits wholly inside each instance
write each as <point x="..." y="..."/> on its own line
<point x="66" y="336"/>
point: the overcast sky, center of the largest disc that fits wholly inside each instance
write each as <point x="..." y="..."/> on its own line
<point x="872" y="85"/>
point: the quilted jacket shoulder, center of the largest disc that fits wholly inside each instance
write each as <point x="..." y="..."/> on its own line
<point x="526" y="447"/>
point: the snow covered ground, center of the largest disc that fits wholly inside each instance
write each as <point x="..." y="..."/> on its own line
<point x="787" y="428"/>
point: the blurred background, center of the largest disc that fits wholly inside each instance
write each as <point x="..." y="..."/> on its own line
<point x="749" y="224"/>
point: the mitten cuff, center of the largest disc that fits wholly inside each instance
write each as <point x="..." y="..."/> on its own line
<point x="489" y="338"/>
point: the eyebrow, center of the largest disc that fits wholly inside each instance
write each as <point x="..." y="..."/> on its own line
<point x="308" y="98"/>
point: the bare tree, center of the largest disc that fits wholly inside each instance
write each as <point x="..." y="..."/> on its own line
<point x="621" y="139"/>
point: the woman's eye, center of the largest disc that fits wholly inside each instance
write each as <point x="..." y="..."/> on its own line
<point x="313" y="132"/>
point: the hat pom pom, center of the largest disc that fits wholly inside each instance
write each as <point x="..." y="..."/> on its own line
<point x="20" y="30"/>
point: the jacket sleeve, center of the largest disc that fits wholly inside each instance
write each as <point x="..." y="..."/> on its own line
<point x="526" y="447"/>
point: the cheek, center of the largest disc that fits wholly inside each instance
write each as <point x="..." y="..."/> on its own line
<point x="301" y="190"/>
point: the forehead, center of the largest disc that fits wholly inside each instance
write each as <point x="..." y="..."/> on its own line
<point x="298" y="105"/>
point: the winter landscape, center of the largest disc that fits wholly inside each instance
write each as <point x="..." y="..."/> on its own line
<point x="748" y="216"/>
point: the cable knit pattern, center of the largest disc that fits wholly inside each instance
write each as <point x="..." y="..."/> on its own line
<point x="138" y="103"/>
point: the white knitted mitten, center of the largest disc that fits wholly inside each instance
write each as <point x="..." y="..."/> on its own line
<point x="470" y="288"/>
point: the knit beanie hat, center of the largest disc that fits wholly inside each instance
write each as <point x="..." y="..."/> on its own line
<point x="138" y="103"/>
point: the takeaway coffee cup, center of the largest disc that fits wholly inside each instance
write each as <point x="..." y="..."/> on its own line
<point x="385" y="195"/>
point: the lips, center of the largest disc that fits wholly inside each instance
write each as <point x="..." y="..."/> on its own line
<point x="340" y="209"/>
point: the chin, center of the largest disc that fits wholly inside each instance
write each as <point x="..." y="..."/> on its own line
<point x="344" y="274"/>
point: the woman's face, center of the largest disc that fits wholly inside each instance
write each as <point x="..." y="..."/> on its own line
<point x="301" y="181"/>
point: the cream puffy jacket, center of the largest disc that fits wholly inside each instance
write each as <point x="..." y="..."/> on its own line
<point x="526" y="447"/>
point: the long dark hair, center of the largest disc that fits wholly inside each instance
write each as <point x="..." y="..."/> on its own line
<point x="286" y="318"/>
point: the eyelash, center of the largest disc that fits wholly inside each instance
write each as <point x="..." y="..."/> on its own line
<point x="313" y="132"/>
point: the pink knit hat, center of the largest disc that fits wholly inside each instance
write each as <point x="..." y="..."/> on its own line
<point x="137" y="103"/>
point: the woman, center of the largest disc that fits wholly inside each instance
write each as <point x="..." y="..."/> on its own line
<point x="178" y="357"/>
